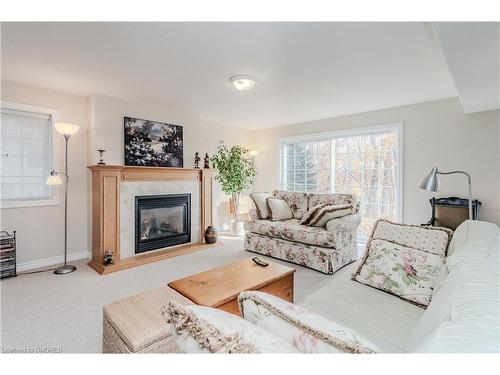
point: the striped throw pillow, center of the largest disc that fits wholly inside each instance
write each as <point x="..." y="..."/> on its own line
<point x="309" y="215"/>
<point x="327" y="213"/>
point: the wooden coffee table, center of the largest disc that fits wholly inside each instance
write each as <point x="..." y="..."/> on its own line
<point x="219" y="287"/>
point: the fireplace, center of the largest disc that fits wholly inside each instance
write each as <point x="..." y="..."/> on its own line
<point x="162" y="221"/>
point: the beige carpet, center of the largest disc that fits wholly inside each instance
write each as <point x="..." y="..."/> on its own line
<point x="65" y="311"/>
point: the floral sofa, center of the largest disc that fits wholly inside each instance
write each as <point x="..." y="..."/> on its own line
<point x="323" y="249"/>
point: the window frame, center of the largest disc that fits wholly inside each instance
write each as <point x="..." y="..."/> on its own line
<point x="397" y="127"/>
<point x="54" y="145"/>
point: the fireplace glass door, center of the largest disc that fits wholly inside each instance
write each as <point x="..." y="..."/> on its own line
<point x="162" y="221"/>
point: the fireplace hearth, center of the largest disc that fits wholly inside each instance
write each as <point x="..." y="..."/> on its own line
<point x="162" y="221"/>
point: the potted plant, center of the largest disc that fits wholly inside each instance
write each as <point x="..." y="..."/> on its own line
<point x="236" y="173"/>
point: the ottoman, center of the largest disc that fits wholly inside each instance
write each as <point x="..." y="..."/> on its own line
<point x="134" y="324"/>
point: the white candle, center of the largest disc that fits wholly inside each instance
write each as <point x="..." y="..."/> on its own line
<point x="100" y="144"/>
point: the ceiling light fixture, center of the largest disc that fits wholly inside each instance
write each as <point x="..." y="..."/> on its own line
<point x="243" y="82"/>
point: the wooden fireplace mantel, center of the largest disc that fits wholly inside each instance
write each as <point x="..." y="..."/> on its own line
<point x="106" y="211"/>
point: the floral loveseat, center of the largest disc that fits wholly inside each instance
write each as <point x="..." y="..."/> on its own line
<point x="325" y="249"/>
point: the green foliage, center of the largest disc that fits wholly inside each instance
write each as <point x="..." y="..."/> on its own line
<point x="236" y="170"/>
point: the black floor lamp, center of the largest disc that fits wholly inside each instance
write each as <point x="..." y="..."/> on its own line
<point x="67" y="130"/>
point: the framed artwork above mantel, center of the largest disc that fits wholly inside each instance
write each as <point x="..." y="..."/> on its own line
<point x="152" y="143"/>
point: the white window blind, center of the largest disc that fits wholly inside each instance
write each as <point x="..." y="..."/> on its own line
<point x="26" y="152"/>
<point x="365" y="162"/>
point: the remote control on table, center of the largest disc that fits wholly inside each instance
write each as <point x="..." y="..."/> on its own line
<point x="260" y="262"/>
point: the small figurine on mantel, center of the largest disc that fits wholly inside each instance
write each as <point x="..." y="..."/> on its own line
<point x="197" y="160"/>
<point x="108" y="258"/>
<point x="207" y="161"/>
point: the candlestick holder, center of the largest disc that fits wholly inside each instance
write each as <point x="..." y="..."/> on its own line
<point x="101" y="157"/>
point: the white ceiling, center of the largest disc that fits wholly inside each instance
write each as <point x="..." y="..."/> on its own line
<point x="306" y="71"/>
<point x="471" y="50"/>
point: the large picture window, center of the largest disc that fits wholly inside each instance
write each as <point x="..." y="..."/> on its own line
<point x="366" y="162"/>
<point x="26" y="155"/>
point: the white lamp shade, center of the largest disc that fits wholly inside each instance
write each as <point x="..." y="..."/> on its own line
<point x="66" y="128"/>
<point x="54" y="180"/>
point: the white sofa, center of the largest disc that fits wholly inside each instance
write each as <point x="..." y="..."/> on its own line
<point x="346" y="316"/>
<point x="463" y="316"/>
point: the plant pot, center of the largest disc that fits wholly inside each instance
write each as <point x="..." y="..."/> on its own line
<point x="237" y="227"/>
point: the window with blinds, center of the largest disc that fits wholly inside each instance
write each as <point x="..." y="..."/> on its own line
<point x="365" y="162"/>
<point x="26" y="157"/>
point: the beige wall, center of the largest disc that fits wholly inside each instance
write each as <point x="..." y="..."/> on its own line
<point x="106" y="124"/>
<point x="436" y="133"/>
<point x="209" y="136"/>
<point x="40" y="230"/>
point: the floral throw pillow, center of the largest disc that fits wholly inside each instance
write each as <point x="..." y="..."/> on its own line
<point x="297" y="201"/>
<point x="305" y="331"/>
<point x="399" y="270"/>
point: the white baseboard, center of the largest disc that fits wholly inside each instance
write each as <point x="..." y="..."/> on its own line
<point x="46" y="262"/>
